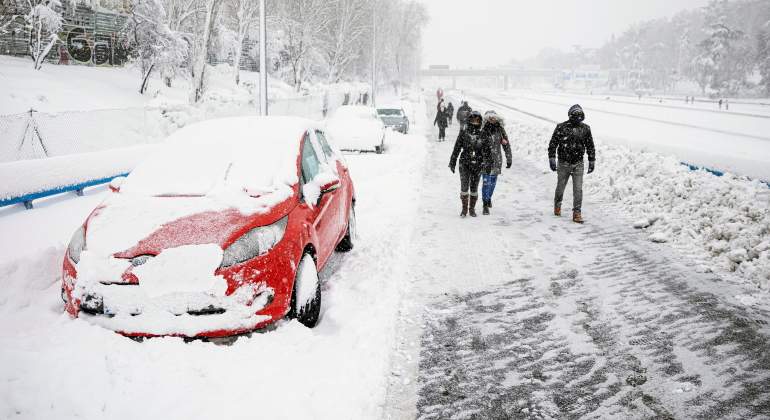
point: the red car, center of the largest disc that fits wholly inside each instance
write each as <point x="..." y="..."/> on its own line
<point x="221" y="232"/>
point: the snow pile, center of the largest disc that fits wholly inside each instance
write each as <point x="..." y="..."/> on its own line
<point x="338" y="370"/>
<point x="726" y="220"/>
<point x="36" y="175"/>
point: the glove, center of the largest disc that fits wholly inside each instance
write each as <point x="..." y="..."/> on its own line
<point x="452" y="168"/>
<point x="552" y="162"/>
<point x="591" y="166"/>
<point x="508" y="166"/>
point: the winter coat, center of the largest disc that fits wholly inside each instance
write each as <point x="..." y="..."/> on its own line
<point x="441" y="119"/>
<point x="495" y="142"/>
<point x="469" y="147"/>
<point x="572" y="139"/>
<point x="463" y="112"/>
<point x="450" y="110"/>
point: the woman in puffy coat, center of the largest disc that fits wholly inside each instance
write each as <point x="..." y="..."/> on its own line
<point x="441" y="122"/>
<point x="495" y="143"/>
<point x="469" y="148"/>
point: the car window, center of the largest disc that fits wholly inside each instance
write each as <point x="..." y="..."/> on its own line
<point x="325" y="145"/>
<point x="310" y="163"/>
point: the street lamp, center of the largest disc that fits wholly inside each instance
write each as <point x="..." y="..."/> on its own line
<point x="374" y="52"/>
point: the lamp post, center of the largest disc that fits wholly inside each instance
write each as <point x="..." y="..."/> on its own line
<point x="262" y="59"/>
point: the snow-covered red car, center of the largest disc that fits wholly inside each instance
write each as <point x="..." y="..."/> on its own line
<point x="357" y="128"/>
<point x="222" y="231"/>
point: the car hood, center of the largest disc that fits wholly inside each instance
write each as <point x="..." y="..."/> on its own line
<point x="125" y="226"/>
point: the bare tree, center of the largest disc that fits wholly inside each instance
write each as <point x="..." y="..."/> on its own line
<point x="242" y="15"/>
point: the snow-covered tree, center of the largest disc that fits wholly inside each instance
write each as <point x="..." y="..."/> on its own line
<point x="302" y="24"/>
<point x="44" y="20"/>
<point x="346" y="29"/>
<point x="242" y="15"/>
<point x="763" y="57"/>
<point x="203" y="45"/>
<point x="153" y="43"/>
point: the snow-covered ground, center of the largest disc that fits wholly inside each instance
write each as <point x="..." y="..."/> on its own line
<point x="727" y="141"/>
<point x="723" y="222"/>
<point x="56" y="367"/>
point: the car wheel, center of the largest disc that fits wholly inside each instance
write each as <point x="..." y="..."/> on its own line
<point x="306" y="296"/>
<point x="378" y="150"/>
<point x="346" y="244"/>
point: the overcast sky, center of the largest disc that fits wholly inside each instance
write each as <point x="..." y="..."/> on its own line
<point x="481" y="33"/>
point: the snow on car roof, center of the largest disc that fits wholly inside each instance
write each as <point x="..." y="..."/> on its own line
<point x="354" y="110"/>
<point x="232" y="153"/>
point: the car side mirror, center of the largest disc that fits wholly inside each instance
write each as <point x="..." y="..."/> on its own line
<point x="330" y="186"/>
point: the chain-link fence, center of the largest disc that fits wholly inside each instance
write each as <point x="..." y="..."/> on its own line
<point x="33" y="134"/>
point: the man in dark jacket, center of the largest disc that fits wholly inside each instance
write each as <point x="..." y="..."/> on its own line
<point x="469" y="147"/>
<point x="571" y="140"/>
<point x="495" y="143"/>
<point x="450" y="112"/>
<point x="462" y="114"/>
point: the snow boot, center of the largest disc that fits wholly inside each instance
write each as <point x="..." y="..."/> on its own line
<point x="464" y="200"/>
<point x="472" y="206"/>
<point x="577" y="217"/>
<point x="485" y="211"/>
<point x="557" y="211"/>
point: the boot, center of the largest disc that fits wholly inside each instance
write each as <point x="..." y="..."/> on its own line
<point x="485" y="211"/>
<point x="577" y="217"/>
<point x="557" y="211"/>
<point x="464" y="200"/>
<point x="472" y="205"/>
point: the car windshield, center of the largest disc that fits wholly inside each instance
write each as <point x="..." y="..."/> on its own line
<point x="213" y="157"/>
<point x="390" y="112"/>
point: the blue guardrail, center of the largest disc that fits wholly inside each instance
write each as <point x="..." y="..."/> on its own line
<point x="78" y="188"/>
<point x="714" y="172"/>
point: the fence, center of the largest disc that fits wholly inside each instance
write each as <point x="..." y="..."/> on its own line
<point x="46" y="143"/>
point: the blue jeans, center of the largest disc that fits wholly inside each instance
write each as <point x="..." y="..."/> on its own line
<point x="488" y="187"/>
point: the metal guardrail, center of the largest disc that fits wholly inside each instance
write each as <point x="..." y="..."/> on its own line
<point x="78" y="188"/>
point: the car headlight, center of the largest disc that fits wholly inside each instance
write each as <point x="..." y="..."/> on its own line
<point x="254" y="243"/>
<point x="77" y="244"/>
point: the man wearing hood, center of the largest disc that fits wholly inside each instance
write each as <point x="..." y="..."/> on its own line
<point x="571" y="140"/>
<point x="462" y="114"/>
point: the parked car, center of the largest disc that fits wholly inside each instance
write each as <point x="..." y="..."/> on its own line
<point x="356" y="128"/>
<point x="222" y="231"/>
<point x="394" y="118"/>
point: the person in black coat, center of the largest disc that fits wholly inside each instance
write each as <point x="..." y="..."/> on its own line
<point x="462" y="114"/>
<point x="571" y="140"/>
<point x="450" y="110"/>
<point x="441" y="122"/>
<point x="469" y="148"/>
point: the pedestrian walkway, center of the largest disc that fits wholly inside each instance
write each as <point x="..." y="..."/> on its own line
<point x="524" y="315"/>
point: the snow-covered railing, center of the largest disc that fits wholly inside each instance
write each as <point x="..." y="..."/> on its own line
<point x="28" y="180"/>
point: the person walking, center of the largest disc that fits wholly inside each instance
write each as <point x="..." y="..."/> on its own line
<point x="469" y="148"/>
<point x="495" y="142"/>
<point x="462" y="114"/>
<point x="572" y="140"/>
<point x="441" y="122"/>
<point x="450" y="110"/>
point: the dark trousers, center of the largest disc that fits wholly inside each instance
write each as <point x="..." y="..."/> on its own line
<point x="441" y="133"/>
<point x="469" y="181"/>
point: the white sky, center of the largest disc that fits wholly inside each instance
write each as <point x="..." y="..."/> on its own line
<point x="482" y="33"/>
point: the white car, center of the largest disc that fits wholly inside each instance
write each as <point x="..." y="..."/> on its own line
<point x="356" y="128"/>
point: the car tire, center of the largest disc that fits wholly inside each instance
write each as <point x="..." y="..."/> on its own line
<point x="346" y="244"/>
<point x="378" y="150"/>
<point x="308" y="312"/>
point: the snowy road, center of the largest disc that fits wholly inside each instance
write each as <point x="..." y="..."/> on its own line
<point x="525" y="315"/>
<point x="727" y="141"/>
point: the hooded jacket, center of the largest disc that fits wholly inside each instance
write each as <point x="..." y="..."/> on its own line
<point x="495" y="142"/>
<point x="469" y="147"/>
<point x="572" y="139"/>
